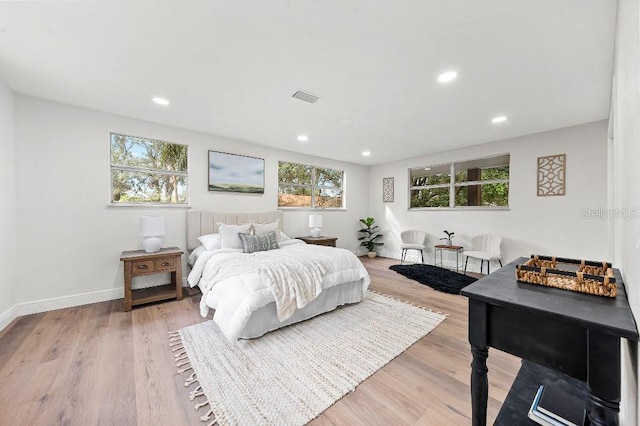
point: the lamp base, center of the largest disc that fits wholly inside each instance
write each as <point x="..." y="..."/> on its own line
<point x="315" y="232"/>
<point x="151" y="244"/>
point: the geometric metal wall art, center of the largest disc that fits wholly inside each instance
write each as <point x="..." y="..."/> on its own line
<point x="387" y="190"/>
<point x="552" y="175"/>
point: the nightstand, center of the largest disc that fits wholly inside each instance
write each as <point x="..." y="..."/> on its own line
<point x="138" y="263"/>
<point x="320" y="241"/>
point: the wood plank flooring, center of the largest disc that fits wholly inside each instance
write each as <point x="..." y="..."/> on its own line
<point x="98" y="365"/>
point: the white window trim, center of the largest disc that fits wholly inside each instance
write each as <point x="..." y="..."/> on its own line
<point x="111" y="203"/>
<point x="313" y="189"/>
<point x="452" y="185"/>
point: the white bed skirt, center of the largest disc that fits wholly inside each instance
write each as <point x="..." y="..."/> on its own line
<point x="265" y="319"/>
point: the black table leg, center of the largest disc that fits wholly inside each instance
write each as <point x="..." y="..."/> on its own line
<point x="602" y="413"/>
<point x="478" y="327"/>
<point x="479" y="386"/>
<point x="603" y="383"/>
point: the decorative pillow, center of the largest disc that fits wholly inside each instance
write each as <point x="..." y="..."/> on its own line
<point x="211" y="241"/>
<point x="229" y="235"/>
<point x="263" y="228"/>
<point x="262" y="242"/>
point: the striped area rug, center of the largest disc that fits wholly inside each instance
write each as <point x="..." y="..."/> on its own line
<point x="291" y="375"/>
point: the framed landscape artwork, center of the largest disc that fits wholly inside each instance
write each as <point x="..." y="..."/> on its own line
<point x="235" y="173"/>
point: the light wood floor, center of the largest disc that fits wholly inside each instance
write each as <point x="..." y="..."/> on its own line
<point x="98" y="365"/>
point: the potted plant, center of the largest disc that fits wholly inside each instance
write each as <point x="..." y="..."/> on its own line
<point x="449" y="237"/>
<point x="370" y="233"/>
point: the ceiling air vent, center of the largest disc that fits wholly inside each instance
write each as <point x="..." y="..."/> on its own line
<point x="304" y="96"/>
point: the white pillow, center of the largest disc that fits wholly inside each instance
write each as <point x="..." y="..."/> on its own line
<point x="265" y="228"/>
<point x="284" y="237"/>
<point x="229" y="235"/>
<point x="211" y="241"/>
<point x="194" y="255"/>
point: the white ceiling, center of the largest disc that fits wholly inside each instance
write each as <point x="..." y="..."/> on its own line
<point x="230" y="68"/>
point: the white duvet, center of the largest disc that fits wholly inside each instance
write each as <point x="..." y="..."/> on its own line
<point x="237" y="284"/>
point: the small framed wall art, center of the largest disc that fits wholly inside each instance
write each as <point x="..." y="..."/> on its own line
<point x="387" y="190"/>
<point x="552" y="173"/>
<point x="235" y="173"/>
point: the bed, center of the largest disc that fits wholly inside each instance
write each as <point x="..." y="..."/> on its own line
<point x="241" y="287"/>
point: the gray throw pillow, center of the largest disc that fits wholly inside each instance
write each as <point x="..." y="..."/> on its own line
<point x="262" y="242"/>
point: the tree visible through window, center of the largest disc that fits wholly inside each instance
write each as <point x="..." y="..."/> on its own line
<point x="147" y="171"/>
<point x="481" y="182"/>
<point x="300" y="185"/>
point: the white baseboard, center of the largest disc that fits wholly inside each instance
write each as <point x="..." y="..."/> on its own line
<point x="412" y="256"/>
<point x="359" y="252"/>
<point x="46" y="305"/>
<point x="389" y="254"/>
<point x="7" y="317"/>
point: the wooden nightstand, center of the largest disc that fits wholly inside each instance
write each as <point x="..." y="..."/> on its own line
<point x="138" y="262"/>
<point x="320" y="241"/>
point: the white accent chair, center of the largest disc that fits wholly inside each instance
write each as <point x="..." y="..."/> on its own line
<point x="485" y="247"/>
<point x="412" y="240"/>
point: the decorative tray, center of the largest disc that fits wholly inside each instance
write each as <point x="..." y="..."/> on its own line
<point x="583" y="276"/>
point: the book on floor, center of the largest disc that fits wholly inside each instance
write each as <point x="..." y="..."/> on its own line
<point x="553" y="407"/>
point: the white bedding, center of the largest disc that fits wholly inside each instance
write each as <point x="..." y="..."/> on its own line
<point x="237" y="295"/>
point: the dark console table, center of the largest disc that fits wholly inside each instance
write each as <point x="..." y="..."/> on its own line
<point x="574" y="333"/>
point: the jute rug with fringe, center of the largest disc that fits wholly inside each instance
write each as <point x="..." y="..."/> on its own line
<point x="291" y="375"/>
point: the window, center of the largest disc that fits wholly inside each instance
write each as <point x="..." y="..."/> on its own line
<point x="482" y="182"/>
<point x="300" y="185"/>
<point x="147" y="171"/>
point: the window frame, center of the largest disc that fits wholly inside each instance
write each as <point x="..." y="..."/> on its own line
<point x="154" y="204"/>
<point x="314" y="187"/>
<point x="453" y="185"/>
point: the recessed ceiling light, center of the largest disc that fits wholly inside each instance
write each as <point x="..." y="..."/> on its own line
<point x="303" y="138"/>
<point x="346" y="121"/>
<point x="366" y="153"/>
<point x="448" y="76"/>
<point x="499" y="119"/>
<point x="161" y="101"/>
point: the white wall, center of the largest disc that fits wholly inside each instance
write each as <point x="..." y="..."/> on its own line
<point x="532" y="224"/>
<point x="8" y="259"/>
<point x="624" y="185"/>
<point x="69" y="240"/>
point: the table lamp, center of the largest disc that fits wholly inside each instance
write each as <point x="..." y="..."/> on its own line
<point x="315" y="223"/>
<point x="152" y="229"/>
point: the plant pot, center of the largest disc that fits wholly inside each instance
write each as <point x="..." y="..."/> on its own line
<point x="371" y="254"/>
<point x="449" y="242"/>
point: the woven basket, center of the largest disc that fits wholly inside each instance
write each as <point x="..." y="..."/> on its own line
<point x="569" y="274"/>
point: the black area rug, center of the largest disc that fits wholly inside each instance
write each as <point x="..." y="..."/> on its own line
<point x="437" y="278"/>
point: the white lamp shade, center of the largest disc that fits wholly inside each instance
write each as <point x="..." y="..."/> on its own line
<point x="152" y="226"/>
<point x="315" y="221"/>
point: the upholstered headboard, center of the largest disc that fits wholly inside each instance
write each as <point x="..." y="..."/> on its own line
<point x="202" y="222"/>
